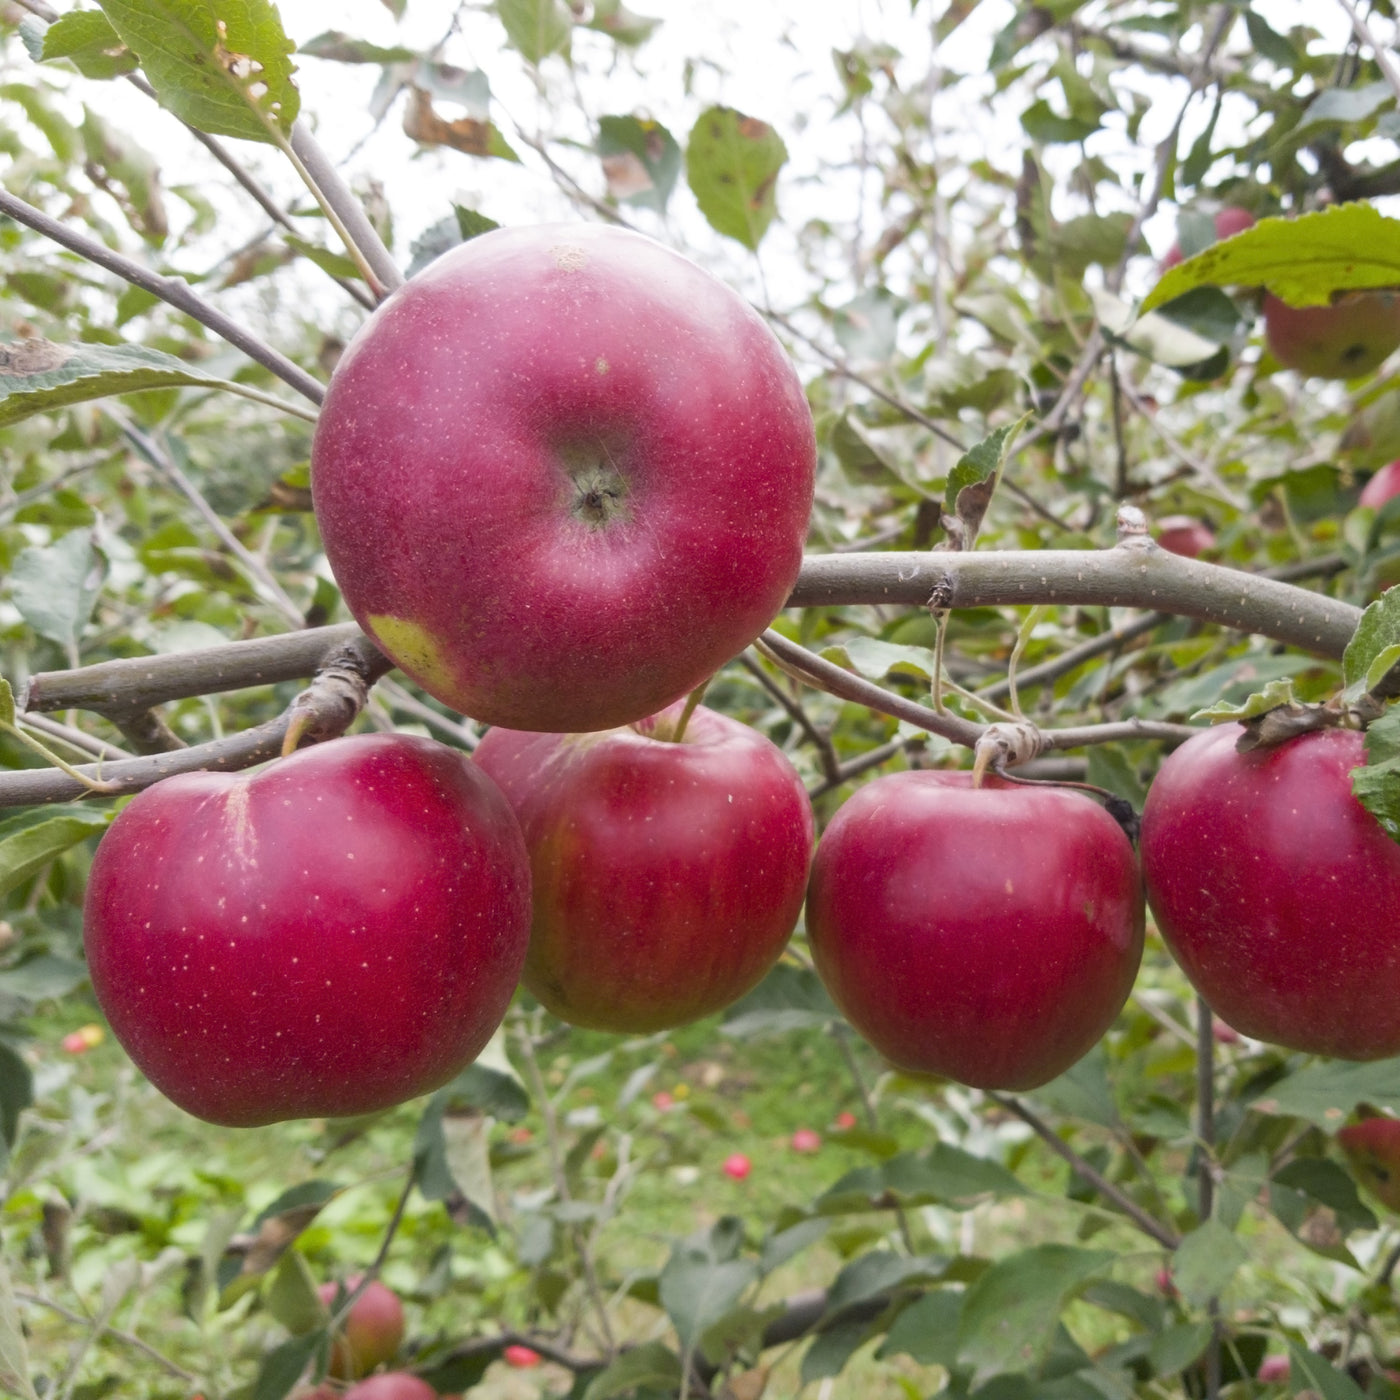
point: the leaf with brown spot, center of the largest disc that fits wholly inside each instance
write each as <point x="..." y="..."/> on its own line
<point x="732" y="162"/>
<point x="422" y="123"/>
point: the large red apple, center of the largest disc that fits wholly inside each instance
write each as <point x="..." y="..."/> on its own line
<point x="1347" y="338"/>
<point x="989" y="935"/>
<point x="1381" y="487"/>
<point x="562" y="476"/>
<point x="667" y="876"/>
<point x="1277" y="891"/>
<point x="332" y="934"/>
<point x="1228" y="221"/>
<point x="372" y="1331"/>
<point x="1372" y="1147"/>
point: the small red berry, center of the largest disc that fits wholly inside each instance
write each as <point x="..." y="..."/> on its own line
<point x="738" y="1166"/>
<point x="845" y="1121"/>
<point x="661" y="1101"/>
<point x="806" y="1140"/>
<point x="521" y="1356"/>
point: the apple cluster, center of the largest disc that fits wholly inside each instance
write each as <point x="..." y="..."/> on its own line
<point x="562" y="477"/>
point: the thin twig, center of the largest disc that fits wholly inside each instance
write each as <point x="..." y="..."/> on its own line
<point x="173" y="290"/>
<point x="259" y="575"/>
<point x="129" y="1339"/>
<point x="1146" y="1222"/>
<point x="826" y="753"/>
<point x="1381" y="54"/>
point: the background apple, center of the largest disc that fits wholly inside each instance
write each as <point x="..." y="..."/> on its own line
<point x="391" y="1385"/>
<point x="1184" y="535"/>
<point x="1382" y="486"/>
<point x="563" y="475"/>
<point x="332" y="934"/>
<point x="1228" y="221"/>
<point x="1372" y="1147"/>
<point x="667" y="876"/>
<point x="988" y="935"/>
<point x="1277" y="892"/>
<point x="1348" y="338"/>
<point x="372" y="1331"/>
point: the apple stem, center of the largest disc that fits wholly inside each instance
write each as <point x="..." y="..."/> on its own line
<point x="691" y="702"/>
<point x="936" y="688"/>
<point x="1001" y="745"/>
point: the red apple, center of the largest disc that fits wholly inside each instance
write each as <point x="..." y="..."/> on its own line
<point x="1185" y="535"/>
<point x="332" y="934"/>
<point x="667" y="876"/>
<point x="1373" y="1149"/>
<point x="1347" y="338"/>
<point x="1273" y="1368"/>
<point x="563" y="475"/>
<point x="1382" y="486"/>
<point x="737" y="1165"/>
<point x="989" y="935"/>
<point x="1229" y="221"/>
<point x="391" y="1385"/>
<point x="806" y="1140"/>
<point x="1277" y="891"/>
<point x="845" y="1121"/>
<point x="521" y="1357"/>
<point x="372" y="1331"/>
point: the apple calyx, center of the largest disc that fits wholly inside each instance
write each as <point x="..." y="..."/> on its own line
<point x="600" y="494"/>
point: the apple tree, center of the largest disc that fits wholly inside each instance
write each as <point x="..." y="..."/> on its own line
<point x="956" y="410"/>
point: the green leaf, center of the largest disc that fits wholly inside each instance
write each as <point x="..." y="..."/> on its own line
<point x="56" y="588"/>
<point x="1269" y="42"/>
<point x="1205" y="1261"/>
<point x="868" y="325"/>
<point x="1326" y="1091"/>
<point x="223" y="68"/>
<point x="927" y="1329"/>
<point x="1309" y="1370"/>
<point x="1346" y="105"/>
<point x="863" y="460"/>
<point x="641" y="160"/>
<point x="1041" y="123"/>
<point x="832" y="1347"/>
<point x="44" y="978"/>
<point x="1011" y="1313"/>
<point x="874" y="659"/>
<point x="16" y="1094"/>
<point x="974" y="477"/>
<point x="1160" y="336"/>
<point x="698" y="1286"/>
<point x="1302" y="260"/>
<point x="1377" y="633"/>
<point x="27" y="849"/>
<point x="789" y="998"/>
<point x="732" y="163"/>
<point x="651" y="1364"/>
<point x="86" y="38"/>
<point x="1082" y="1091"/>
<point x="14" y="1352"/>
<point x="536" y="28"/>
<point x="7" y="702"/>
<point x="38" y="376"/>
<point x="340" y="47"/>
<point x="942" y="1175"/>
<point x="1308" y="1184"/>
<point x="292" y="1297"/>
<point x="1176" y="1347"/>
<point x="1277" y="693"/>
<point x="337" y="264"/>
<point x="880" y="1271"/>
<point x="282" y="1367"/>
<point x="613" y="18"/>
<point x="1376" y="783"/>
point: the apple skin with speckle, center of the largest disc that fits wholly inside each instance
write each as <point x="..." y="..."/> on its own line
<point x="332" y="934"/>
<point x="563" y="475"/>
<point x="668" y="875"/>
<point x="1277" y="891"/>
